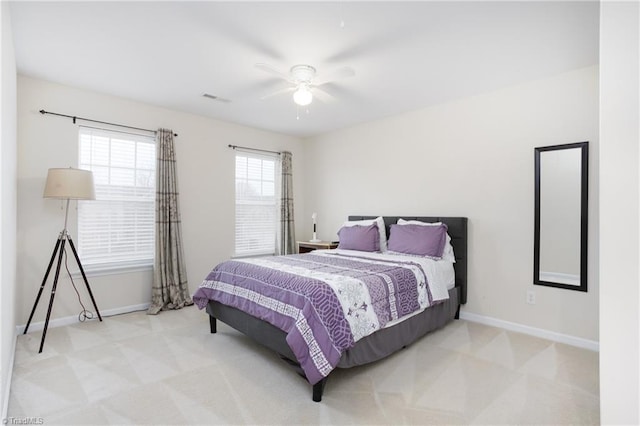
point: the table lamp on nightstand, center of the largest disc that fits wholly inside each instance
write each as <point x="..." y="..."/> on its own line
<point x="315" y="238"/>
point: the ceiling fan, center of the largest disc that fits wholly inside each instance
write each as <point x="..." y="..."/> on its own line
<point x="305" y="82"/>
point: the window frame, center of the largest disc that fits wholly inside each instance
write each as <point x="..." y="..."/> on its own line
<point x="117" y="266"/>
<point x="272" y="202"/>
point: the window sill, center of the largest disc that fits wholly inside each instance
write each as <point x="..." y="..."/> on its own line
<point x="112" y="269"/>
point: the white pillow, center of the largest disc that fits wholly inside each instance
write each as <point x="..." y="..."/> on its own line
<point x="381" y="229"/>
<point x="447" y="254"/>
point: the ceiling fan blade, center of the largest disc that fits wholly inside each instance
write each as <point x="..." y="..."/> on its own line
<point x="273" y="71"/>
<point x="322" y="95"/>
<point x="278" y="92"/>
<point x="338" y="74"/>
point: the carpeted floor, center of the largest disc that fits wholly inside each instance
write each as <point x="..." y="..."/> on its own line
<point x="168" y="369"/>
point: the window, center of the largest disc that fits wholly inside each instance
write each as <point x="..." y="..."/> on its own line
<point x="117" y="228"/>
<point x="255" y="204"/>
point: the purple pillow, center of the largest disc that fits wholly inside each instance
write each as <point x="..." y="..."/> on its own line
<point x="427" y="241"/>
<point x="359" y="237"/>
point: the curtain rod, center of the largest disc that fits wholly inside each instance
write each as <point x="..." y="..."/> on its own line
<point x="74" y="118"/>
<point x="253" y="149"/>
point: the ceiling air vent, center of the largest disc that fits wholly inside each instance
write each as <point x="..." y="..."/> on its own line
<point x="216" y="98"/>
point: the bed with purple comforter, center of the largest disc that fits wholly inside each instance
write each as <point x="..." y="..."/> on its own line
<point x="333" y="308"/>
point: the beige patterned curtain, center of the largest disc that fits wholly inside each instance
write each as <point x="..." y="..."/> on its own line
<point x="286" y="238"/>
<point x="170" y="289"/>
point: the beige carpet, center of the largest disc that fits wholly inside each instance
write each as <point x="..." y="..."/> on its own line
<point x="168" y="369"/>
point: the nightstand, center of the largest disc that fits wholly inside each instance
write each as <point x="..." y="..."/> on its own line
<point x="306" y="246"/>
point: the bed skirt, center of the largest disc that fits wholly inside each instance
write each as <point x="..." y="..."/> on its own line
<point x="368" y="349"/>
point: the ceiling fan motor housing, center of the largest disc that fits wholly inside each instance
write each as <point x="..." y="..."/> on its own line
<point x="302" y="73"/>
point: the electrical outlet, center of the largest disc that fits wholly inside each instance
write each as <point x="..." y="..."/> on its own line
<point x="531" y="297"/>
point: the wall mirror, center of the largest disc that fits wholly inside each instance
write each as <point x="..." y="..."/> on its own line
<point x="561" y="213"/>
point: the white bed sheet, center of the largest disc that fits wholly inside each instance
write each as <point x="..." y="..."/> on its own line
<point x="440" y="274"/>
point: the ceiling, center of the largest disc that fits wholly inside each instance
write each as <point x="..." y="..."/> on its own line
<point x="405" y="56"/>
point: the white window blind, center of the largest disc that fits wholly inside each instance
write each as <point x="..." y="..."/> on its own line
<point x="118" y="227"/>
<point x="255" y="204"/>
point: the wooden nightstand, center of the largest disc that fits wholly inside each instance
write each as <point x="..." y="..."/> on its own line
<point x="306" y="246"/>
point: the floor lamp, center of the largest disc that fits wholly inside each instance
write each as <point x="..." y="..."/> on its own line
<point x="65" y="184"/>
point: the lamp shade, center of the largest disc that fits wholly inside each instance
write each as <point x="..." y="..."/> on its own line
<point x="73" y="184"/>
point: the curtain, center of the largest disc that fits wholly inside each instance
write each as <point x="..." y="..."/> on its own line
<point x="286" y="239"/>
<point x="170" y="289"/>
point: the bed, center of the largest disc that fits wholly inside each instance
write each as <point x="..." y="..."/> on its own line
<point x="395" y="335"/>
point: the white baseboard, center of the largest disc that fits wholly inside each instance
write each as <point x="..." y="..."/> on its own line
<point x="58" y="322"/>
<point x="7" y="388"/>
<point x="537" y="332"/>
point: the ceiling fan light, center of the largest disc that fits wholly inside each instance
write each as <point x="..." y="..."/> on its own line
<point x="302" y="96"/>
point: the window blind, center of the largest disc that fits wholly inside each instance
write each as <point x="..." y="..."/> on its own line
<point x="118" y="227"/>
<point x="255" y="231"/>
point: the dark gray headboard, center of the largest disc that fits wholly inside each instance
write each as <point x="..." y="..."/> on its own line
<point x="457" y="228"/>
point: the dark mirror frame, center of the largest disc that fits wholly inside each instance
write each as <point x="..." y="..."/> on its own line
<point x="584" y="211"/>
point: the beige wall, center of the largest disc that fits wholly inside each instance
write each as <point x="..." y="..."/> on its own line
<point x="474" y="158"/>
<point x="620" y="213"/>
<point x="7" y="205"/>
<point x="205" y="179"/>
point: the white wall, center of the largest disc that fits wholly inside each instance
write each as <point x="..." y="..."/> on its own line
<point x="475" y="158"/>
<point x="620" y="213"/>
<point x="7" y="205"/>
<point x="205" y="178"/>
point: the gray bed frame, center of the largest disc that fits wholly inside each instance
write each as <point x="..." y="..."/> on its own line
<point x="381" y="343"/>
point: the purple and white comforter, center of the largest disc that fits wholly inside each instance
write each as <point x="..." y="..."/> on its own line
<point x="324" y="301"/>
